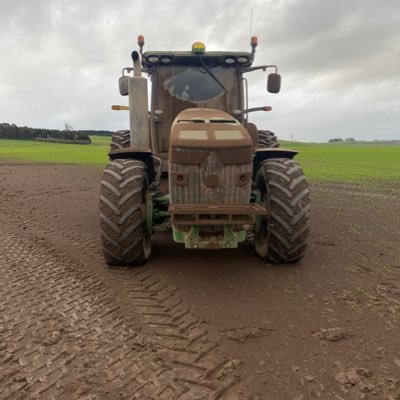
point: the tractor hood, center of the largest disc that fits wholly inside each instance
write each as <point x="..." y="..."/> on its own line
<point x="198" y="131"/>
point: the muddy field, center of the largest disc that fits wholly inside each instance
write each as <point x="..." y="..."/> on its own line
<point x="194" y="324"/>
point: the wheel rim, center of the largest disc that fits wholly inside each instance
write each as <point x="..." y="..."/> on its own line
<point x="262" y="221"/>
<point x="147" y="213"/>
<point x="146" y="245"/>
<point x="261" y="234"/>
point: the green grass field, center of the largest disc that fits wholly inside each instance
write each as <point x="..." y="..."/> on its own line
<point x="42" y="152"/>
<point x="357" y="163"/>
<point x="337" y="162"/>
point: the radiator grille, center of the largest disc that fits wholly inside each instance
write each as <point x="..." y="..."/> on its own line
<point x="196" y="191"/>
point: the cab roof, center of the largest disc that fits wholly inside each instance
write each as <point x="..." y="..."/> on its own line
<point x="210" y="58"/>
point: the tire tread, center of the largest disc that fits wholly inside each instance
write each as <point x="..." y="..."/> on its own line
<point x="120" y="140"/>
<point x="289" y="207"/>
<point x="267" y="139"/>
<point x="121" y="221"/>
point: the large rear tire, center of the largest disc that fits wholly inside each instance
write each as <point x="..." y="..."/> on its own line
<point x="267" y="139"/>
<point x="120" y="140"/>
<point x="281" y="235"/>
<point x="125" y="210"/>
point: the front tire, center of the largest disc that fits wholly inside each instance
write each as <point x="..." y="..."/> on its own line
<point x="281" y="235"/>
<point x="125" y="209"/>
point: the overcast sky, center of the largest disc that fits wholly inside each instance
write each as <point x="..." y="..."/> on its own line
<point x="339" y="59"/>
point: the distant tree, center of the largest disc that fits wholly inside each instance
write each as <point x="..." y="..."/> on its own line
<point x="350" y="139"/>
<point x="334" y="140"/>
<point x="68" y="127"/>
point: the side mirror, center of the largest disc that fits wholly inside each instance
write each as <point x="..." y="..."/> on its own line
<point x="123" y="85"/>
<point x="274" y="83"/>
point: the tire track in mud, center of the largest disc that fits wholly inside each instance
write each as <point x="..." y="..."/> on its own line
<point x="62" y="334"/>
<point x="71" y="328"/>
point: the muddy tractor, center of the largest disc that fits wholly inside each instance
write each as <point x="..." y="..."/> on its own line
<point x="195" y="166"/>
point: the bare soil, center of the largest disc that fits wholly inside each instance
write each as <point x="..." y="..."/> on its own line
<point x="194" y="324"/>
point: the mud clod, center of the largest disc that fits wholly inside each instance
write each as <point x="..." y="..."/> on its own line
<point x="333" y="334"/>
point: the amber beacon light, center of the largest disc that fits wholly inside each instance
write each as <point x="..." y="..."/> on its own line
<point x="198" y="47"/>
<point x="140" y="40"/>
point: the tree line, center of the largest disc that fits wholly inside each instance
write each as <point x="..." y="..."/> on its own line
<point x="97" y="133"/>
<point x="12" y="131"/>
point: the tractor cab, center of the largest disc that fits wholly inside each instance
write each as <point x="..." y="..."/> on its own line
<point x="197" y="79"/>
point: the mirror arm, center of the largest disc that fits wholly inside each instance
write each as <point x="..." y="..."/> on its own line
<point x="127" y="70"/>
<point x="264" y="108"/>
<point x="263" y="67"/>
<point x="130" y="69"/>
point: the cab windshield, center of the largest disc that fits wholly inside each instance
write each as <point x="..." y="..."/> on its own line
<point x="197" y="84"/>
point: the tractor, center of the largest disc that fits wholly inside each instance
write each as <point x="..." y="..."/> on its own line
<point x="194" y="165"/>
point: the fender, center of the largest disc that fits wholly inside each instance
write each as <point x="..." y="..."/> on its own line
<point x="143" y="154"/>
<point x="261" y="155"/>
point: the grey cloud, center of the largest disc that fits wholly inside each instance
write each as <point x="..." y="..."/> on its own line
<point x="340" y="60"/>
